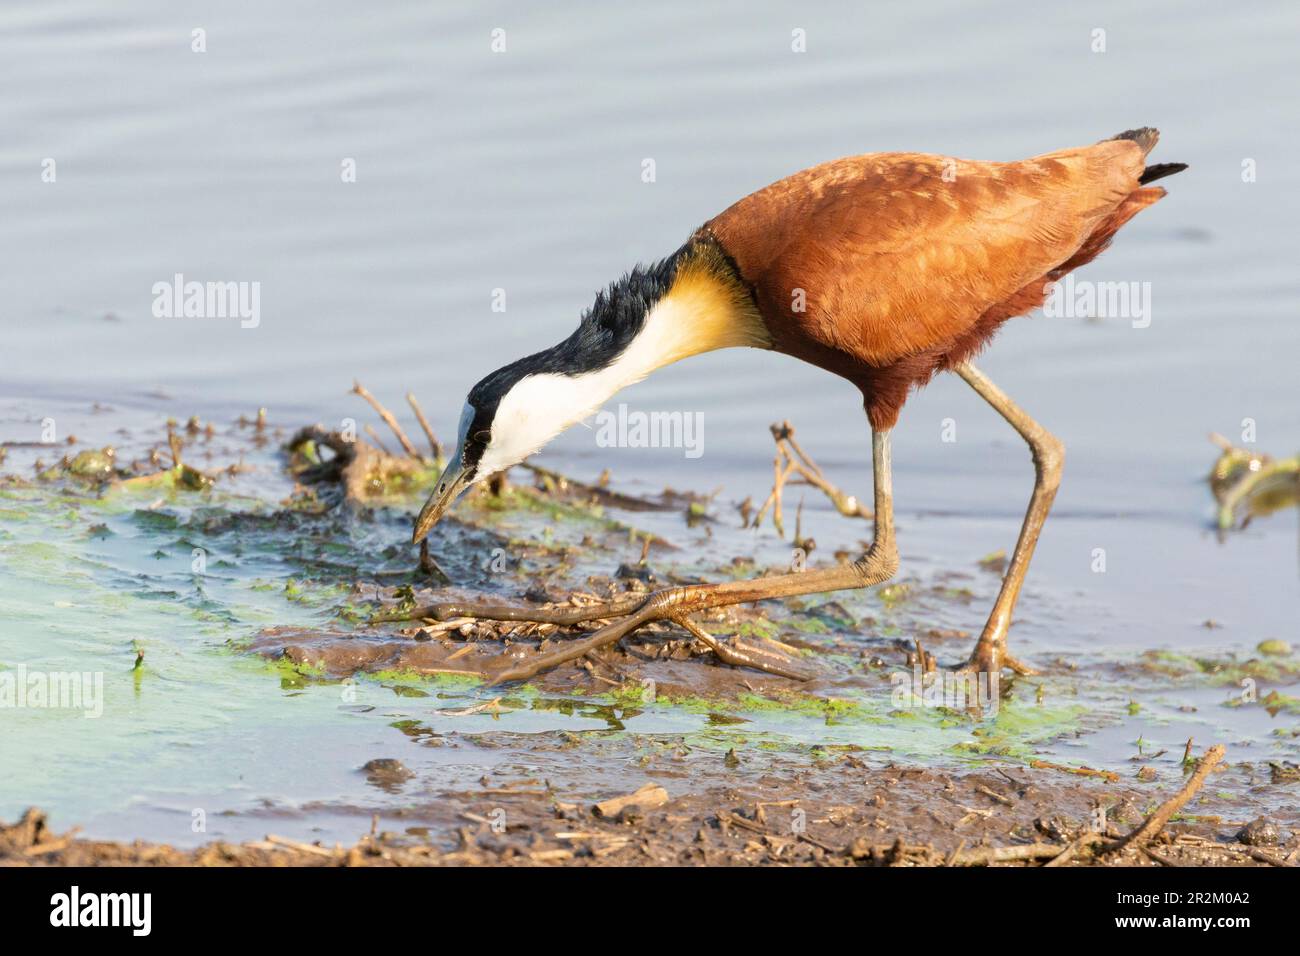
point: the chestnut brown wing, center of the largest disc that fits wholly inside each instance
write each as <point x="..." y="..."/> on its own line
<point x="889" y="255"/>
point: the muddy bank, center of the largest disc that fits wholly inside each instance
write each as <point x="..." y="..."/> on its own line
<point x="841" y="814"/>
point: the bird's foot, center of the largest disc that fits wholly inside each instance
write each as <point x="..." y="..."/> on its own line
<point x="990" y="657"/>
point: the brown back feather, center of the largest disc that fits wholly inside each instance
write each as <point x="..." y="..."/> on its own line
<point x="908" y="263"/>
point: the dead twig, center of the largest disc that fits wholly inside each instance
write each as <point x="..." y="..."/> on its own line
<point x="994" y="795"/>
<point x="647" y="797"/>
<point x="1106" y="775"/>
<point x="1068" y="854"/>
<point x="300" y="847"/>
<point x="379" y="442"/>
<point x="735" y="819"/>
<point x="952" y="857"/>
<point x="1153" y="824"/>
<point x="792" y="460"/>
<point x="435" y="446"/>
<point x="550" y="856"/>
<point x="1263" y="856"/>
<point x="1005" y="854"/>
<point x="389" y="420"/>
<point x="1162" y="860"/>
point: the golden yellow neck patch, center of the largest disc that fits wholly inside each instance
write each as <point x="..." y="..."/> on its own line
<point x="706" y="308"/>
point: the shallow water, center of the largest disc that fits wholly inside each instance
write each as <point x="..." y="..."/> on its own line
<point x="522" y="171"/>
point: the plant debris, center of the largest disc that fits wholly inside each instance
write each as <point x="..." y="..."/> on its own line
<point x="1248" y="484"/>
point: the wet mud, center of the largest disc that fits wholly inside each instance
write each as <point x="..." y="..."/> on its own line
<point x="833" y="812"/>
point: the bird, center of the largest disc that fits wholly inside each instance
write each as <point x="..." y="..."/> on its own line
<point x="884" y="269"/>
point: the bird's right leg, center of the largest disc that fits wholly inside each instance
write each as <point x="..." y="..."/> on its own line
<point x="877" y="565"/>
<point x="990" y="653"/>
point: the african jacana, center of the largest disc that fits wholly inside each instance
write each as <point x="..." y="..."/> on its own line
<point x="884" y="269"/>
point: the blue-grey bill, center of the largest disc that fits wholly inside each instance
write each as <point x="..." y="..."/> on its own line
<point x="449" y="488"/>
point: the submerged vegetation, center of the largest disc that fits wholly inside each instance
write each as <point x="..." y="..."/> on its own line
<point x="1249" y="484"/>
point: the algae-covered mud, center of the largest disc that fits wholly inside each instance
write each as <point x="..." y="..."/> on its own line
<point x="216" y="630"/>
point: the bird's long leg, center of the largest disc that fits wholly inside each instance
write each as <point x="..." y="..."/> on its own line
<point x="990" y="653"/>
<point x="878" y="564"/>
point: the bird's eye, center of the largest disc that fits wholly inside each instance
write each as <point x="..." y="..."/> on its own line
<point x="442" y="487"/>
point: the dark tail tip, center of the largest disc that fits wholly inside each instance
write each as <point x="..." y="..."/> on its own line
<point x="1160" y="171"/>
<point x="1146" y="137"/>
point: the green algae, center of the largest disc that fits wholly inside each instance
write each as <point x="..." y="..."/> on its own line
<point x="1217" y="671"/>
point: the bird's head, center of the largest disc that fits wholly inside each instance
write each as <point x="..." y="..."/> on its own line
<point x="517" y="409"/>
<point x="508" y="416"/>
<point x="683" y="305"/>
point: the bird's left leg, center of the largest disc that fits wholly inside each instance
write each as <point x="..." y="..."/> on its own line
<point x="990" y="653"/>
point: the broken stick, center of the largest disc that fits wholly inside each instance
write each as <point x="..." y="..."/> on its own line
<point x="1156" y="822"/>
<point x="389" y="420"/>
<point x="647" y="797"/>
<point x="434" y="445"/>
<point x="790" y="460"/>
